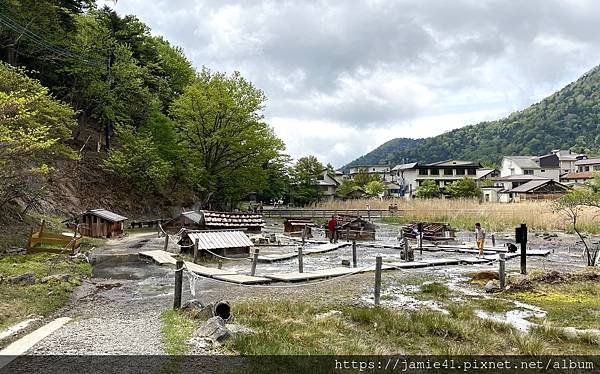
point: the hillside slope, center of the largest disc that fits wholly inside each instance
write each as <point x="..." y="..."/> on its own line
<point x="384" y="154"/>
<point x="568" y="119"/>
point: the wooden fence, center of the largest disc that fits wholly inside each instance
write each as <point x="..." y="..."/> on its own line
<point x="42" y="241"/>
<point x="327" y="213"/>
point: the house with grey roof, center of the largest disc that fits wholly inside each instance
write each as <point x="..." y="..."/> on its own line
<point x="589" y="164"/>
<point x="547" y="166"/>
<point x="100" y="223"/>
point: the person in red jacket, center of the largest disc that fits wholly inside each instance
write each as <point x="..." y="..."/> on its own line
<point x="332" y="228"/>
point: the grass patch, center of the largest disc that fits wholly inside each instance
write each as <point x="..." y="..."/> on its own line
<point x="176" y="329"/>
<point x="494" y="305"/>
<point x="19" y="301"/>
<point x="575" y="304"/>
<point x="436" y="290"/>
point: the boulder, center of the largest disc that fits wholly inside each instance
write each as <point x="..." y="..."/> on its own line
<point x="345" y="262"/>
<point x="491" y="287"/>
<point x="27" y="278"/>
<point x="214" y="329"/>
<point x="192" y="304"/>
<point x="58" y="278"/>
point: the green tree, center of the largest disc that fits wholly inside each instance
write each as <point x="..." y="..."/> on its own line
<point x="594" y="184"/>
<point x="305" y="176"/>
<point x="277" y="183"/>
<point x="346" y="188"/>
<point x="219" y="123"/>
<point x="463" y="188"/>
<point x="362" y="178"/>
<point x="33" y="127"/>
<point x="374" y="188"/>
<point x="138" y="160"/>
<point x="428" y="189"/>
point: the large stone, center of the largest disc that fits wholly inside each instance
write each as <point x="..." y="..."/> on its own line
<point x="491" y="287"/>
<point x="58" y="278"/>
<point x="27" y="278"/>
<point x="214" y="329"/>
<point x="192" y="304"/>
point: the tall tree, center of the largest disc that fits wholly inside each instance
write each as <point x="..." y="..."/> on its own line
<point x="220" y="123"/>
<point x="305" y="175"/>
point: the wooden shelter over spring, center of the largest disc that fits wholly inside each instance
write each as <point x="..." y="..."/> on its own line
<point x="220" y="242"/>
<point x="208" y="220"/>
<point x="351" y="227"/>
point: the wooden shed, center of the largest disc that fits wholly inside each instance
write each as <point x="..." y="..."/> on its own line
<point x="229" y="243"/>
<point x="351" y="227"/>
<point x="186" y="220"/>
<point x="294" y="226"/>
<point x="100" y="223"/>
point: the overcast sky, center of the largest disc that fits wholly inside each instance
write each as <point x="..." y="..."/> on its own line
<point x="342" y="77"/>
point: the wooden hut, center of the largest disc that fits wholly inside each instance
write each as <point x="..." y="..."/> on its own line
<point x="294" y="226"/>
<point x="431" y="231"/>
<point x="186" y="220"/>
<point x="100" y="223"/>
<point x="229" y="243"/>
<point x="352" y="227"/>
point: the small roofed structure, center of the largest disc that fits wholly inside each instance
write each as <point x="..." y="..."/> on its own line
<point x="431" y="231"/>
<point x="352" y="227"/>
<point x="547" y="189"/>
<point x="294" y="226"/>
<point x="208" y="220"/>
<point x="100" y="223"/>
<point x="229" y="243"/>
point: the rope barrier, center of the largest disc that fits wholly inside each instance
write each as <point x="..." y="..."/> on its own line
<point x="358" y="270"/>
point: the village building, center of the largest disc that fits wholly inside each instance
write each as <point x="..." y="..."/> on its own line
<point x="547" y="166"/>
<point x="100" y="223"/>
<point x="539" y="190"/>
<point x="208" y="220"/>
<point x="410" y="176"/>
<point x="590" y="164"/>
<point x="328" y="185"/>
<point x="382" y="171"/>
<point x="567" y="160"/>
<point x="577" y="178"/>
<point x="515" y="188"/>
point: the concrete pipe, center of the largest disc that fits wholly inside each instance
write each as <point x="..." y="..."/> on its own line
<point x="223" y="310"/>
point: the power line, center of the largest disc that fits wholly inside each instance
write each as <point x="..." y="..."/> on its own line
<point x="61" y="52"/>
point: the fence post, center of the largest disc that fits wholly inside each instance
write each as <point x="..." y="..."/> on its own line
<point x="196" y="245"/>
<point x="303" y="235"/>
<point x="493" y="240"/>
<point x="378" y="262"/>
<point x="300" y="261"/>
<point x="354" y="253"/>
<point x="166" y="246"/>
<point x="501" y="270"/>
<point x="348" y="233"/>
<point x="406" y="249"/>
<point x="254" y="261"/>
<point x="178" y="284"/>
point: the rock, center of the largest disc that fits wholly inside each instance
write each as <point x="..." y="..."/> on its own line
<point x="345" y="262"/>
<point x="214" y="329"/>
<point x="239" y="329"/>
<point x="192" y="304"/>
<point x="27" y="278"/>
<point x="491" y="287"/>
<point x="58" y="278"/>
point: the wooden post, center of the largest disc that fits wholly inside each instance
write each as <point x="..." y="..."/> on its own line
<point x="523" y="242"/>
<point x="348" y="233"/>
<point x="166" y="246"/>
<point x="501" y="270"/>
<point x="354" y="253"/>
<point x="196" y="245"/>
<point x="406" y="249"/>
<point x="220" y="264"/>
<point x="178" y="284"/>
<point x="378" y="262"/>
<point x="300" y="261"/>
<point x="254" y="261"/>
<point x="42" y="228"/>
<point x="493" y="240"/>
<point x="303" y="235"/>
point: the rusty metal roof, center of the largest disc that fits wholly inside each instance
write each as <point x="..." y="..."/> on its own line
<point x="106" y="214"/>
<point x="219" y="239"/>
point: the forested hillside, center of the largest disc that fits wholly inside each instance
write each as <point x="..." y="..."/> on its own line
<point x="385" y="153"/>
<point x="96" y="111"/>
<point x="568" y="119"/>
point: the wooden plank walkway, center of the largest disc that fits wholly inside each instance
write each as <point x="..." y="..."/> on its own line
<point x="242" y="279"/>
<point x="323" y="248"/>
<point x="328" y="247"/>
<point x="159" y="256"/>
<point x="275" y="258"/>
<point x="206" y="271"/>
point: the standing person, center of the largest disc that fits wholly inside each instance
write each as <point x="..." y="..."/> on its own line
<point x="332" y="227"/>
<point x="479" y="237"/>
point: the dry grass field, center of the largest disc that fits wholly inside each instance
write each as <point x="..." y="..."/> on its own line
<point x="538" y="215"/>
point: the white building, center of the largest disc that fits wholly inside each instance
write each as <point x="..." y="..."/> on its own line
<point x="567" y="160"/>
<point x="547" y="166"/>
<point x="328" y="185"/>
<point x="590" y="164"/>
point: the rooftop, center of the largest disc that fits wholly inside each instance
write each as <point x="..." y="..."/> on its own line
<point x="520" y="177"/>
<point x="578" y="175"/>
<point x="524" y="162"/>
<point x="106" y="214"/>
<point x="588" y="161"/>
<point x="534" y="185"/>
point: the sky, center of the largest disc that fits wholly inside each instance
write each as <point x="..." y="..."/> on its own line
<point x="343" y="77"/>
